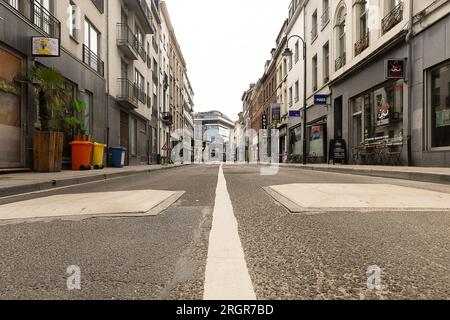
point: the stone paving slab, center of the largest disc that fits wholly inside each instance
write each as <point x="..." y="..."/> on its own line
<point x="338" y="197"/>
<point x="82" y="205"/>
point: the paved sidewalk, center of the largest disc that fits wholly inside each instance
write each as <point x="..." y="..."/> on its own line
<point x="434" y="175"/>
<point x="19" y="183"/>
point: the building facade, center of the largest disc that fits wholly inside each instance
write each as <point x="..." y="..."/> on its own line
<point x="115" y="56"/>
<point x="377" y="75"/>
<point x="81" y="62"/>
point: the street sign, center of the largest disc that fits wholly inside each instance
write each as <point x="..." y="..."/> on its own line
<point x="295" y="114"/>
<point x="320" y="99"/>
<point x="395" y="68"/>
<point x="338" y="151"/>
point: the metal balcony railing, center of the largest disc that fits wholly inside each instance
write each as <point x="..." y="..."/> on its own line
<point x="128" y="92"/>
<point x="38" y="15"/>
<point x="93" y="61"/>
<point x="340" y="62"/>
<point x="362" y="44"/>
<point x="126" y="40"/>
<point x="393" y="18"/>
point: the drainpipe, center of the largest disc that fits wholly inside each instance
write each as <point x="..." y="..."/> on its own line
<point x="107" y="79"/>
<point x="409" y="37"/>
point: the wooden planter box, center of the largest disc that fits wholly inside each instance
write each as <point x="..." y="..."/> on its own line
<point x="48" y="151"/>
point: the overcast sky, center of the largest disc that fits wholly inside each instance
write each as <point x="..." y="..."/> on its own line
<point x="226" y="44"/>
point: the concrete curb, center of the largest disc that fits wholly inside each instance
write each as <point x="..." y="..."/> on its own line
<point x="414" y="176"/>
<point x="49" y="185"/>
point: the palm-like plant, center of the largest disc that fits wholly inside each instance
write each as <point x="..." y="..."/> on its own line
<point x="52" y="95"/>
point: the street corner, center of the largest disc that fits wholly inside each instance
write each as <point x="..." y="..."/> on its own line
<point x="89" y="205"/>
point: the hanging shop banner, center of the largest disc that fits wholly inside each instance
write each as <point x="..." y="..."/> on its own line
<point x="395" y="69"/>
<point x="45" y="47"/>
<point x="264" y="122"/>
<point x="276" y="111"/>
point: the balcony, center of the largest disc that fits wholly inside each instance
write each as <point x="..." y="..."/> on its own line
<point x="340" y="62"/>
<point x="393" y="18"/>
<point x="126" y="41"/>
<point x="362" y="44"/>
<point x="128" y="94"/>
<point x="143" y="14"/>
<point x="39" y="16"/>
<point x="167" y="118"/>
<point x="93" y="61"/>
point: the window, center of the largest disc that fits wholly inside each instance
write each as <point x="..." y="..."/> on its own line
<point x="378" y="115"/>
<point x="314" y="73"/>
<point x="362" y="28"/>
<point x="91" y="43"/>
<point x="290" y="63"/>
<point x="86" y="118"/>
<point x="340" y="38"/>
<point x="297" y="51"/>
<point x="326" y="62"/>
<point x="439" y="106"/>
<point x="14" y="4"/>
<point x="291" y="97"/>
<point x="297" y="92"/>
<point x="73" y="17"/>
<point x="326" y="12"/>
<point x="314" y="26"/>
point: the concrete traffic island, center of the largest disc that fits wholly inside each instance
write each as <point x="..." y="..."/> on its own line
<point x="319" y="198"/>
<point x="81" y="206"/>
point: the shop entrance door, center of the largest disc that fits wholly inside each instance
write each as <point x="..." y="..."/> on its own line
<point x="125" y="133"/>
<point x="10" y="114"/>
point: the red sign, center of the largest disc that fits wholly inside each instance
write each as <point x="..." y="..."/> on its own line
<point x="395" y="69"/>
<point x="166" y="147"/>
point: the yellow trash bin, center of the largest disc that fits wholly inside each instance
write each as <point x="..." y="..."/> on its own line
<point x="98" y="155"/>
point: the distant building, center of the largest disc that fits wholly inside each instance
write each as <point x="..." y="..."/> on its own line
<point x="213" y="134"/>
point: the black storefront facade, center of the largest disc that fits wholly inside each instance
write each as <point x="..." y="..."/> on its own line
<point x="19" y="114"/>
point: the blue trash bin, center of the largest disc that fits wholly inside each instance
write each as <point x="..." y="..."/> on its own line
<point x="118" y="157"/>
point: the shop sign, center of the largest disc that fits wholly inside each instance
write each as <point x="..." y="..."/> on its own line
<point x="45" y="47"/>
<point x="264" y="122"/>
<point x="338" y="151"/>
<point x="276" y="111"/>
<point x="395" y="69"/>
<point x="383" y="114"/>
<point x="320" y="99"/>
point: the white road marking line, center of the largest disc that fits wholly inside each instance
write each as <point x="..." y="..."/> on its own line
<point x="226" y="276"/>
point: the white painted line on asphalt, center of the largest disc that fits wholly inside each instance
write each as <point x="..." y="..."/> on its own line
<point x="227" y="276"/>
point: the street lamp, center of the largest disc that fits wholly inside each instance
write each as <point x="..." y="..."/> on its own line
<point x="288" y="53"/>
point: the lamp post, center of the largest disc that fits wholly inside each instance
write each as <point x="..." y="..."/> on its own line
<point x="288" y="53"/>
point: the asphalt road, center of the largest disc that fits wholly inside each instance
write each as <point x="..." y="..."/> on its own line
<point x="323" y="256"/>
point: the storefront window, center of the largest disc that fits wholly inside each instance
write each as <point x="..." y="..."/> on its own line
<point x="440" y="107"/>
<point x="378" y="115"/>
<point x="296" y="141"/>
<point x="317" y="141"/>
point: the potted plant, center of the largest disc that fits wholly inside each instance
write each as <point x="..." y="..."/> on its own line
<point x="73" y="122"/>
<point x="48" y="142"/>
